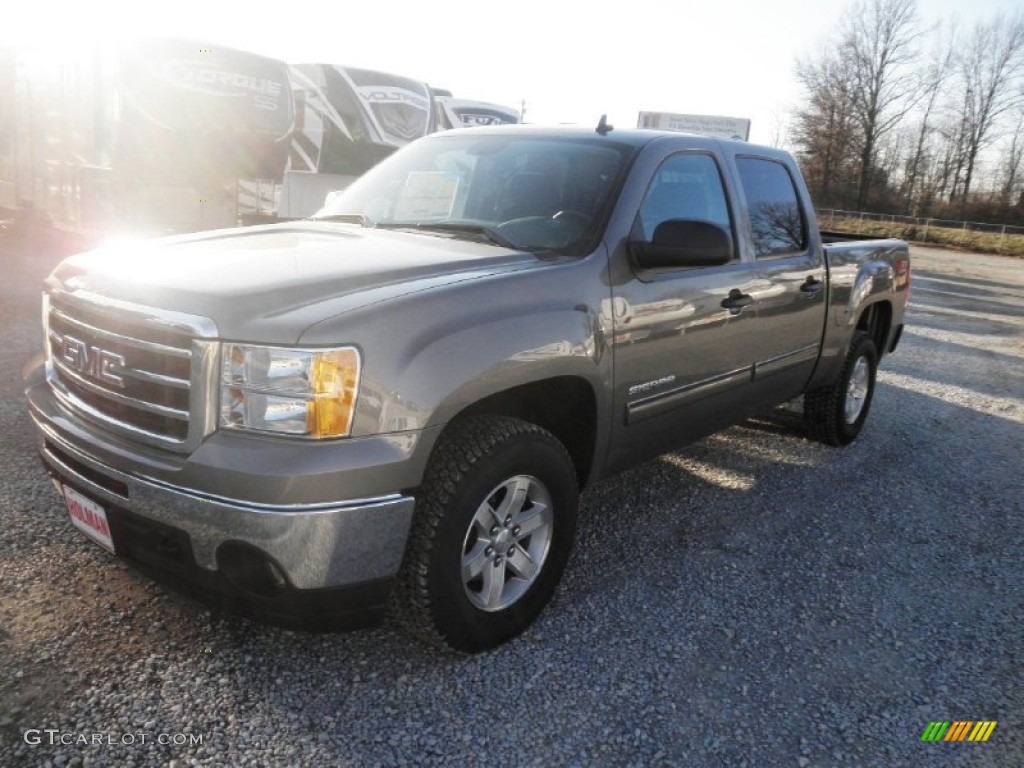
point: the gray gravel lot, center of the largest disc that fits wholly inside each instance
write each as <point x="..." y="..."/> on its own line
<point x="753" y="600"/>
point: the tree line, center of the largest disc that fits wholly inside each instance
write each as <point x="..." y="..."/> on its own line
<point x="899" y="117"/>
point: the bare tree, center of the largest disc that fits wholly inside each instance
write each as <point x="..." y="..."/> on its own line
<point x="934" y="77"/>
<point x="780" y="127"/>
<point x="880" y="46"/>
<point x="858" y="90"/>
<point x="1013" y="165"/>
<point x="823" y="127"/>
<point x="876" y="127"/>
<point x="946" y="175"/>
<point x="990" y="69"/>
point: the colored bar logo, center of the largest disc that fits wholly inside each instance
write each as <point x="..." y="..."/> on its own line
<point x="959" y="730"/>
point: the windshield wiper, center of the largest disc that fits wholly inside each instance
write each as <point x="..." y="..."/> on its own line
<point x="352" y="218"/>
<point x="491" y="235"/>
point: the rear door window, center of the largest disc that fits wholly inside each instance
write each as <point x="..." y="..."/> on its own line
<point x="777" y="221"/>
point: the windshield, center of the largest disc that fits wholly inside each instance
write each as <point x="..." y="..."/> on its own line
<point x="529" y="193"/>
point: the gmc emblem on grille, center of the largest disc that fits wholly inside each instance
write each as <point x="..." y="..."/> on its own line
<point x="92" y="362"/>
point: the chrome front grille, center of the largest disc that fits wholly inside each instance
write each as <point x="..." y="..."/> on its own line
<point x="139" y="371"/>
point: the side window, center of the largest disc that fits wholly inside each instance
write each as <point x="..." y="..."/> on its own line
<point x="686" y="186"/>
<point x="776" y="219"/>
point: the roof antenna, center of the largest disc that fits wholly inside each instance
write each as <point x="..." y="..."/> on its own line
<point x="602" y="125"/>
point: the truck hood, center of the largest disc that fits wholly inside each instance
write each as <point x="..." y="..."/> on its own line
<point x="271" y="283"/>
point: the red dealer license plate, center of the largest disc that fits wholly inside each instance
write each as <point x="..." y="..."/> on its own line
<point x="89" y="517"/>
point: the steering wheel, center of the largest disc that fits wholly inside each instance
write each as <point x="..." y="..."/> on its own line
<point x="574" y="219"/>
<point x="556" y="231"/>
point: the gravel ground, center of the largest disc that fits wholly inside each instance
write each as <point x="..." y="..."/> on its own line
<point x="753" y="600"/>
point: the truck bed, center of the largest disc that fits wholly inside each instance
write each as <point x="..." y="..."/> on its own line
<point x="832" y="236"/>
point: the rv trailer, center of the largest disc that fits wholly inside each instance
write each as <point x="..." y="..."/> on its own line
<point x="152" y="136"/>
<point x="467" y="113"/>
<point x="347" y="121"/>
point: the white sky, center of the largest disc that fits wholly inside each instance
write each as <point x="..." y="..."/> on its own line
<point x="569" y="61"/>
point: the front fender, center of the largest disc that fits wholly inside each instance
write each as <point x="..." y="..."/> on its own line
<point x="505" y="353"/>
<point x="429" y="355"/>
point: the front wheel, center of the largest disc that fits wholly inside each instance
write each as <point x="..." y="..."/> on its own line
<point x="835" y="414"/>
<point x="494" y="524"/>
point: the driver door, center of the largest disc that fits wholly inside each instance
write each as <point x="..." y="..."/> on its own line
<point x="684" y="344"/>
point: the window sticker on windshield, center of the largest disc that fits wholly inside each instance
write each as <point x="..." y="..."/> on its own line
<point x="427" y="195"/>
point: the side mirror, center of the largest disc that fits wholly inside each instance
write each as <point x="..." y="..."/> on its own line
<point x="684" y="243"/>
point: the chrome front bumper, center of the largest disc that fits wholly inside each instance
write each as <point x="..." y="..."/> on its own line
<point x="315" y="545"/>
<point x="311" y="544"/>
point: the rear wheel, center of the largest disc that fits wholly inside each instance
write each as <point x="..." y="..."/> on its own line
<point x="494" y="524"/>
<point x="835" y="414"/>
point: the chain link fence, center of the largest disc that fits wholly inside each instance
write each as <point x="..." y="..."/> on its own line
<point x="828" y="215"/>
<point x="994" y="238"/>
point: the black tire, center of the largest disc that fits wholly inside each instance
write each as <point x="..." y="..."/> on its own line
<point x="477" y="461"/>
<point x="835" y="414"/>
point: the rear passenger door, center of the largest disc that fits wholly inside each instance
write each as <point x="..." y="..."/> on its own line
<point x="792" y="290"/>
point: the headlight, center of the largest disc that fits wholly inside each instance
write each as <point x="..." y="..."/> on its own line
<point x="308" y="392"/>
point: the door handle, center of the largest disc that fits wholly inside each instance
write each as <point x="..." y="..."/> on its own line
<point x="812" y="286"/>
<point x="737" y="300"/>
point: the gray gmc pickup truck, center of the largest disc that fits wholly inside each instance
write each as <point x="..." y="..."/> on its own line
<point x="393" y="406"/>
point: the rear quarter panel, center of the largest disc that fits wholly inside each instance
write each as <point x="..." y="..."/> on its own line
<point x="860" y="273"/>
